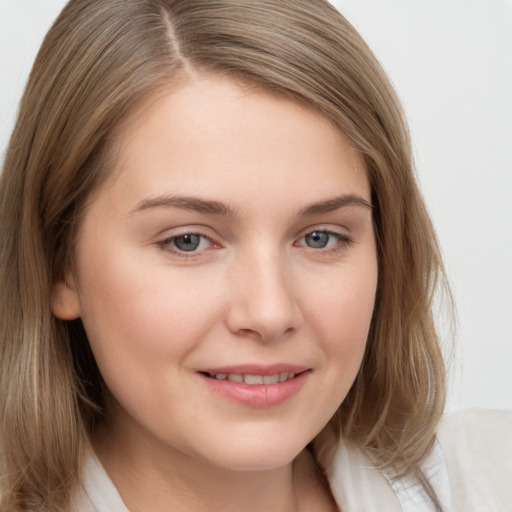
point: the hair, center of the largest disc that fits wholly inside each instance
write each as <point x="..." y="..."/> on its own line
<point x="100" y="59"/>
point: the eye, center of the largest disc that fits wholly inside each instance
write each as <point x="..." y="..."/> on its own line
<point x="323" y="239"/>
<point x="318" y="239"/>
<point x="188" y="242"/>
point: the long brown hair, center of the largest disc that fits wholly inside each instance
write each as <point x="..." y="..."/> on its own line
<point x="99" y="60"/>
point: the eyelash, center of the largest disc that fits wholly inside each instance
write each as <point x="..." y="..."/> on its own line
<point x="168" y="244"/>
<point x="342" y="243"/>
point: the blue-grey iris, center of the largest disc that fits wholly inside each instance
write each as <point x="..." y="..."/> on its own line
<point x="317" y="239"/>
<point x="187" y="243"/>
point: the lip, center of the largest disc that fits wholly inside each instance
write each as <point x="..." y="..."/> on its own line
<point x="257" y="395"/>
<point x="256" y="369"/>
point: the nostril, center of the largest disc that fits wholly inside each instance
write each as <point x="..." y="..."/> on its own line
<point x="250" y="333"/>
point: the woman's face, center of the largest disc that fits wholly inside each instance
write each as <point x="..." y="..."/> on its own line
<point x="226" y="276"/>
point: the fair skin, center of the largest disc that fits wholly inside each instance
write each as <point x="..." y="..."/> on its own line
<point x="233" y="241"/>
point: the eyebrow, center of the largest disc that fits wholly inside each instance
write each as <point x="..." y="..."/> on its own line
<point x="186" y="203"/>
<point x="330" y="205"/>
<point x="217" y="208"/>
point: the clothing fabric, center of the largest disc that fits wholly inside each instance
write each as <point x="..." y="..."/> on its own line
<point x="470" y="469"/>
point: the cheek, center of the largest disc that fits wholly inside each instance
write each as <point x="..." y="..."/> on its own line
<point x="341" y="314"/>
<point x="139" y="318"/>
<point x="343" y="307"/>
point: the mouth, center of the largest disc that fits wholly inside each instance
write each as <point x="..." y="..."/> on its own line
<point x="256" y="386"/>
<point x="253" y="379"/>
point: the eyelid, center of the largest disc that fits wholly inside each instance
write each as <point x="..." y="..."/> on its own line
<point x="325" y="228"/>
<point x="344" y="240"/>
<point x="164" y="242"/>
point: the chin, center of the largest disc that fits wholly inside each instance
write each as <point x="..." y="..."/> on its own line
<point x="254" y="456"/>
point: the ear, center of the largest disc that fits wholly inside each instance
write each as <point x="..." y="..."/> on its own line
<point x="66" y="300"/>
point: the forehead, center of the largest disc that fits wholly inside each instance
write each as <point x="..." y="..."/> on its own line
<point x="211" y="132"/>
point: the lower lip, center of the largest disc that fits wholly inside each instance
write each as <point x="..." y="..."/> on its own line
<point x="258" y="395"/>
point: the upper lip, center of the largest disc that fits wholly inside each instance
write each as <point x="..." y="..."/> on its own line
<point x="255" y="369"/>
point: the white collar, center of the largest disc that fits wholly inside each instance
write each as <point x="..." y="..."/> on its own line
<point x="357" y="486"/>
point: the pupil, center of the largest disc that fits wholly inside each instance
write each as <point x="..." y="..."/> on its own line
<point x="317" y="239"/>
<point x="187" y="242"/>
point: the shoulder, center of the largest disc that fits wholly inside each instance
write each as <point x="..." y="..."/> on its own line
<point x="477" y="449"/>
<point x="470" y="469"/>
<point x="97" y="493"/>
<point x="357" y="485"/>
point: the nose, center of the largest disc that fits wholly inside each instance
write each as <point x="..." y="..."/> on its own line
<point x="264" y="301"/>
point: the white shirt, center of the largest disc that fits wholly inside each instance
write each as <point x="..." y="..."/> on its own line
<point x="470" y="469"/>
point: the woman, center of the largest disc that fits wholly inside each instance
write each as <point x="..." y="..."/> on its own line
<point x="219" y="271"/>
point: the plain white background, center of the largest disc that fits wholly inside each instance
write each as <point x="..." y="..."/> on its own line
<point x="451" y="63"/>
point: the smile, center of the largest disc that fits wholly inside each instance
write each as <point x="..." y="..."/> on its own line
<point x="256" y="386"/>
<point x="253" y="380"/>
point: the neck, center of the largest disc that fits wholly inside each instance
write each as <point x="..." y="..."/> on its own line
<point x="150" y="477"/>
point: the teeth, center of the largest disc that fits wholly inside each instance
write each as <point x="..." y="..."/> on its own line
<point x="253" y="380"/>
<point x="271" y="379"/>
